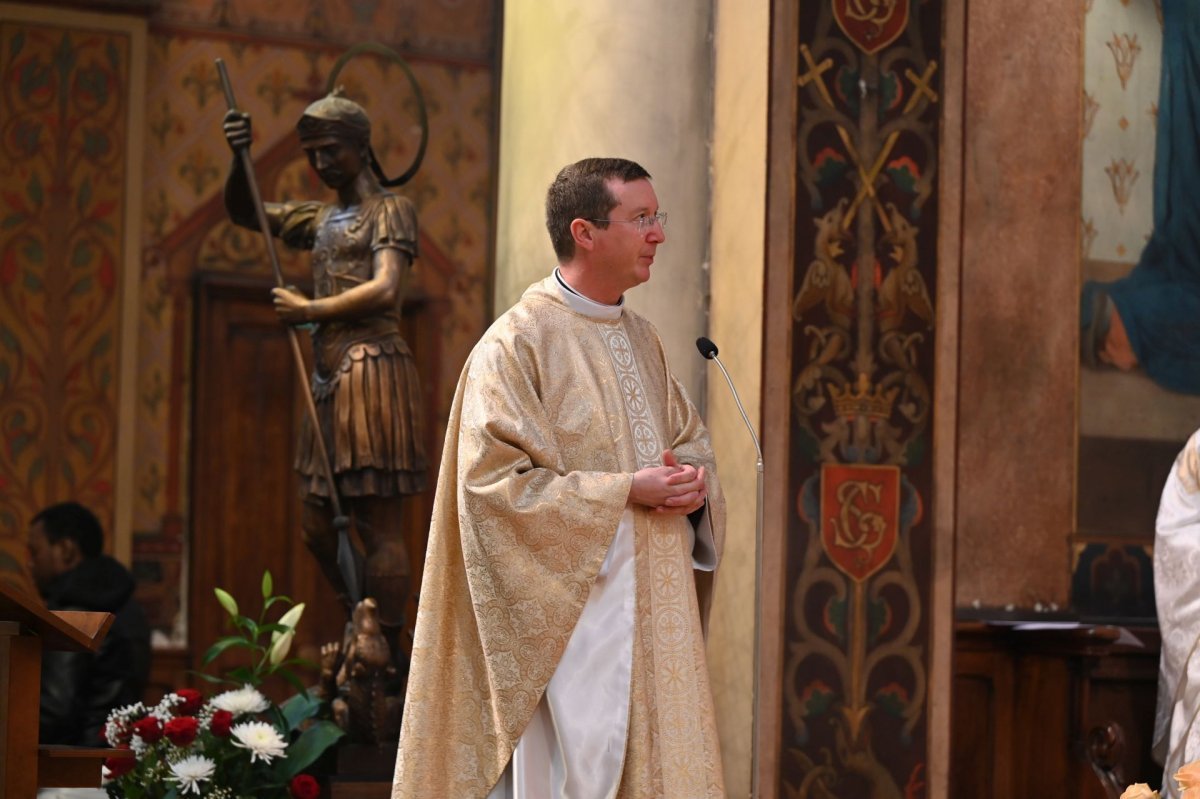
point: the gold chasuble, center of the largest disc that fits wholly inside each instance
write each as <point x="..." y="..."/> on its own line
<point x="555" y="410"/>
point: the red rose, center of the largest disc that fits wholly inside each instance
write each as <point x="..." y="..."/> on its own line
<point x="182" y="731"/>
<point x="222" y="720"/>
<point x="148" y="729"/>
<point x="192" y="701"/>
<point x="118" y="767"/>
<point x="304" y="786"/>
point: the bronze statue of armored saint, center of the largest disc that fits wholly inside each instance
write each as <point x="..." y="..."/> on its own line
<point x="364" y="381"/>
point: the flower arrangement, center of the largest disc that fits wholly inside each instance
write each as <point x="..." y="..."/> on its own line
<point x="1187" y="778"/>
<point x="236" y="743"/>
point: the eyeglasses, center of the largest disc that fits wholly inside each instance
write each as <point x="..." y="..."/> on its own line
<point x="643" y="222"/>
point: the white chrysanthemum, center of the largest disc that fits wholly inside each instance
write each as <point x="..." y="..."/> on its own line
<point x="191" y="771"/>
<point x="263" y="740"/>
<point x="242" y="701"/>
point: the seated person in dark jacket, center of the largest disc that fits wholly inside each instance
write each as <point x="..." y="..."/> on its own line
<point x="72" y="573"/>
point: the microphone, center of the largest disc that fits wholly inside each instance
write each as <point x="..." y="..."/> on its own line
<point x="709" y="351"/>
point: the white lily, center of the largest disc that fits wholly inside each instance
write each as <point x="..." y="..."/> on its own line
<point x="281" y="642"/>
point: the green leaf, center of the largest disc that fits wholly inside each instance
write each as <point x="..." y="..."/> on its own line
<point x="35" y="252"/>
<point x="250" y="626"/>
<point x="84" y="198"/>
<point x="34" y="75"/>
<point x="266" y="584"/>
<point x="227" y="601"/>
<point x="299" y="708"/>
<point x="291" y="679"/>
<point x="82" y="255"/>
<point x="171" y="794"/>
<point x="65" y="57"/>
<point x="17" y="445"/>
<point x="210" y="678"/>
<point x="308" y="747"/>
<point x="34" y="189"/>
<point x="102" y="345"/>
<point x="229" y="642"/>
<point x="303" y="663"/>
<point x="271" y="601"/>
<point x="242" y="676"/>
<point x="85" y="447"/>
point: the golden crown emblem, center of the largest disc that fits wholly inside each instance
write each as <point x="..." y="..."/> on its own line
<point x="863" y="399"/>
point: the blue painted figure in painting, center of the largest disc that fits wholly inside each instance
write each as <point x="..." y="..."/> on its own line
<point x="1151" y="317"/>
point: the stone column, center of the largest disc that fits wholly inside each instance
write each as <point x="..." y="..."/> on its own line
<point x="621" y="78"/>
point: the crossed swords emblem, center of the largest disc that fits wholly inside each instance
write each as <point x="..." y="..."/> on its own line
<point x="816" y="74"/>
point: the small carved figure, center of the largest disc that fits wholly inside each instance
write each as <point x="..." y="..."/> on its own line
<point x="358" y="679"/>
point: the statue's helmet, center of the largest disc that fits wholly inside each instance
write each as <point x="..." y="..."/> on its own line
<point x="335" y="115"/>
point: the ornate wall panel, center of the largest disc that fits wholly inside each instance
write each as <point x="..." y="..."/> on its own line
<point x="63" y="165"/>
<point x="1122" y="61"/>
<point x="855" y="658"/>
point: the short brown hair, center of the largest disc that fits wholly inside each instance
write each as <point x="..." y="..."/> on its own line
<point x="579" y="192"/>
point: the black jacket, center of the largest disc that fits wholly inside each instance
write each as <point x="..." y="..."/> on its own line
<point x="80" y="688"/>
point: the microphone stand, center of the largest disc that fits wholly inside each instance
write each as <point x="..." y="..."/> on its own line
<point x="709" y="351"/>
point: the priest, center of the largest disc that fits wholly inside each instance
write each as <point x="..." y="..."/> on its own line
<point x="1177" y="594"/>
<point x="559" y="645"/>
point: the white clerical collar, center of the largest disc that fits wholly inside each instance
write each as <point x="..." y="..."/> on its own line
<point x="584" y="305"/>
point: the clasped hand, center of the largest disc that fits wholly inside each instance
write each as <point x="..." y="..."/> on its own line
<point x="671" y="488"/>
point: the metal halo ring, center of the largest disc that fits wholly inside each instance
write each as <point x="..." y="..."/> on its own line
<point x="422" y="117"/>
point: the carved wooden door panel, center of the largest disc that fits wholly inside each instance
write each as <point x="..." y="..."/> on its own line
<point x="245" y="503"/>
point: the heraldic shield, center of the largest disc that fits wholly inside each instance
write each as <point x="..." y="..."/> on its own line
<point x="860" y="516"/>
<point x="871" y="24"/>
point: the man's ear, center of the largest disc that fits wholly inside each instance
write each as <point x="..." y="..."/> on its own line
<point x="583" y="234"/>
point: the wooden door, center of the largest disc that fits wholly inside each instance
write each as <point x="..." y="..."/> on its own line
<point x="245" y="500"/>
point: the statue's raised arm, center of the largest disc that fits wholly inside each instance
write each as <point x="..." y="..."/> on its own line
<point x="239" y="203"/>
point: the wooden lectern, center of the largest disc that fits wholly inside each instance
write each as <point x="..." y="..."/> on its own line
<point x="26" y="627"/>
